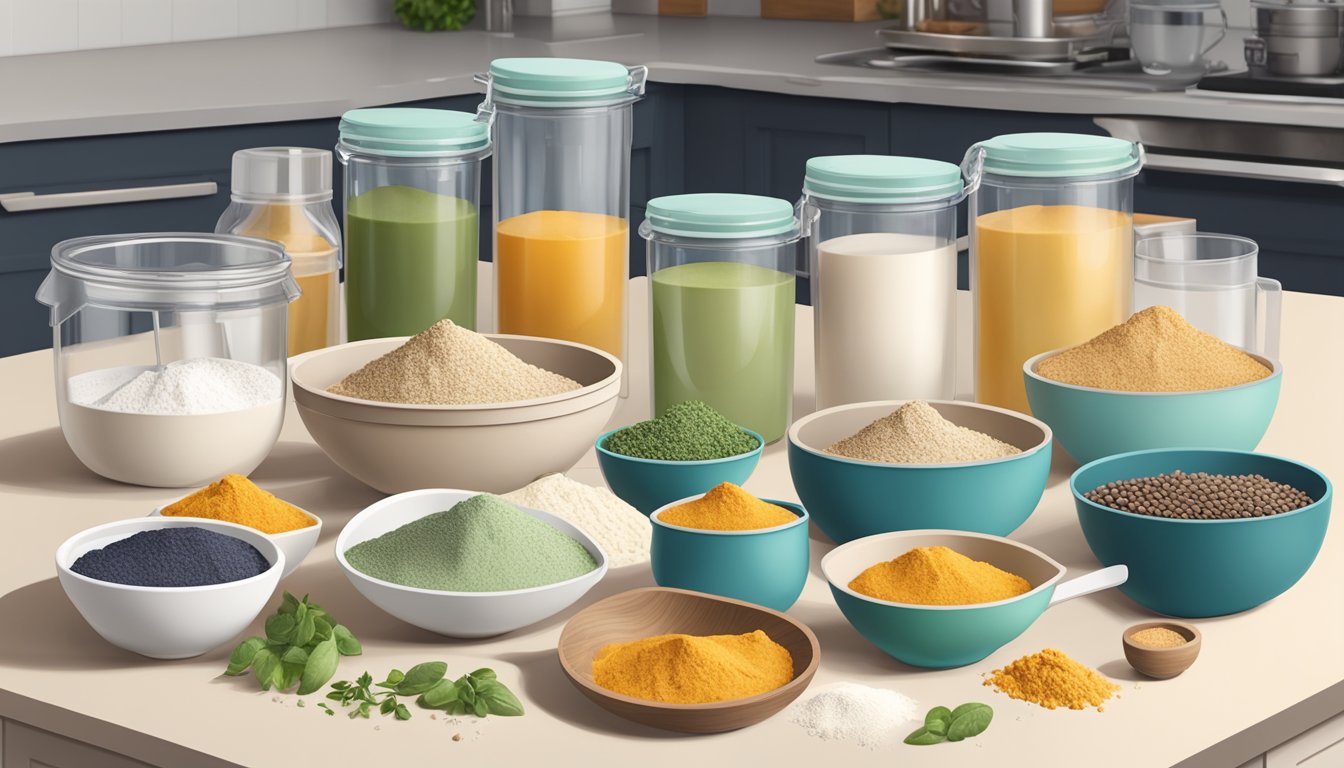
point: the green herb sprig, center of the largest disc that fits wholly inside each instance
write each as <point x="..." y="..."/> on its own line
<point x="943" y="724"/>
<point x="478" y="693"/>
<point x="303" y="645"/>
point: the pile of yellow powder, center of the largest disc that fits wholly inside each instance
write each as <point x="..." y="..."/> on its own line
<point x="690" y="669"/>
<point x="1155" y="350"/>
<point x="938" y="576"/>
<point x="1053" y="680"/>
<point x="727" y="508"/>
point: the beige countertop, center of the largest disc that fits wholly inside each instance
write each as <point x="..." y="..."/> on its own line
<point x="322" y="73"/>
<point x="1263" y="676"/>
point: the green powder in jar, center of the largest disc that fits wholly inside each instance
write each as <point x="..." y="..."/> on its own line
<point x="687" y="431"/>
<point x="482" y="544"/>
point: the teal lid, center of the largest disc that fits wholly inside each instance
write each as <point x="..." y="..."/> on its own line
<point x="720" y="215"/>
<point x="1059" y="154"/>
<point x="881" y="179"/>
<point x="554" y="82"/>
<point x="412" y="132"/>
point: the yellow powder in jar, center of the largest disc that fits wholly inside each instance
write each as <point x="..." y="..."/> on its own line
<point x="727" y="508"/>
<point x="314" y="317"/>
<point x="1158" y="637"/>
<point x="689" y="669"/>
<point x="938" y="576"/>
<point x="1052" y="680"/>
<point x="1155" y="350"/>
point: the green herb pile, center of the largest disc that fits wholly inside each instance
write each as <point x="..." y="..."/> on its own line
<point x="430" y="15"/>
<point x="303" y="645"/>
<point x="478" y="693"/>
<point x="943" y="724"/>
<point x="689" y="431"/>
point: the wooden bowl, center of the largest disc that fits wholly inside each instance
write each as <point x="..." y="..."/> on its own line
<point x="642" y="613"/>
<point x="1162" y="663"/>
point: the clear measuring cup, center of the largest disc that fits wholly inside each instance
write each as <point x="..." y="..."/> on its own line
<point x="1213" y="281"/>
<point x="1169" y="35"/>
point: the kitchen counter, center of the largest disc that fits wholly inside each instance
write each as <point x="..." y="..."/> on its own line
<point x="320" y="74"/>
<point x="1263" y="676"/>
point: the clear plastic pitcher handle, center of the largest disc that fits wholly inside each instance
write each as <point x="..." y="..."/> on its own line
<point x="1222" y="32"/>
<point x="973" y="167"/>
<point x="639" y="78"/>
<point x="485" y="111"/>
<point x="1269" y="303"/>
<point x="807" y="216"/>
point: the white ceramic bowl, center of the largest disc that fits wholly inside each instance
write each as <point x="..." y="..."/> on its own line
<point x="295" y="544"/>
<point x="167" y="622"/>
<point x="459" y="614"/>
<point x="497" y="447"/>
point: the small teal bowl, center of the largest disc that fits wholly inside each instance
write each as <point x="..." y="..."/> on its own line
<point x="850" y="499"/>
<point x="647" y="484"/>
<point x="1198" y="568"/>
<point x="767" y="566"/>
<point x="943" y="636"/>
<point x="1092" y="423"/>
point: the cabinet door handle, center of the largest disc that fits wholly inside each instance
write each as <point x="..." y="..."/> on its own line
<point x="1246" y="169"/>
<point x="17" y="202"/>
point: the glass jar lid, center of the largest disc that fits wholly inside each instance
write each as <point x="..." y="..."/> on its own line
<point x="413" y="132"/>
<point x="721" y="215"/>
<point x="558" y="82"/>
<point x="881" y="179"/>
<point x="1059" y="155"/>
<point x="166" y="271"/>
<point x="289" y="174"/>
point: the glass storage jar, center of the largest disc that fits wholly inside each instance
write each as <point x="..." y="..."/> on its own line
<point x="721" y="276"/>
<point x="412" y="225"/>
<point x="170" y="353"/>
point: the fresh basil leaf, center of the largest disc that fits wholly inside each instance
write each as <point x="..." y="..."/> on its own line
<point x="321" y="666"/>
<point x="972" y="721"/>
<point x="290" y="675"/>
<point x="242" y="656"/>
<point x="498" y="699"/>
<point x="481" y="709"/>
<point x="321" y="629"/>
<point x="294" y="655"/>
<point x="402" y="712"/>
<point x="346" y="642"/>
<point x="484" y="673"/>
<point x="264" y="665"/>
<point x="363" y="710"/>
<point x="288" y="604"/>
<point x="303" y="633"/>
<point x="387" y="706"/>
<point x="924" y="737"/>
<point x="967" y="707"/>
<point x="442" y="694"/>
<point x="466" y="693"/>
<point x="280" y="628"/>
<point x="300" y="612"/>
<point x="336" y="696"/>
<point x="395" y="676"/>
<point x="421" y="678"/>
<point x="457" y="708"/>
<point x="938" y="719"/>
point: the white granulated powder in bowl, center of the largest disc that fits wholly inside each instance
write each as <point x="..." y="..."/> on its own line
<point x="181" y="388"/>
<point x="622" y="531"/>
<point x="868" y="717"/>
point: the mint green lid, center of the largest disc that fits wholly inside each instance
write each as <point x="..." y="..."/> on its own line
<point x="555" y="82"/>
<point x="720" y="215"/>
<point x="881" y="179"/>
<point x="413" y="132"/>
<point x="1059" y="154"/>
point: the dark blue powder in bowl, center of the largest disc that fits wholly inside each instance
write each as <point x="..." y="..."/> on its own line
<point x="173" y="557"/>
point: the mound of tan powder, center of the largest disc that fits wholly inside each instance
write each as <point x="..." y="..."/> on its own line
<point x="916" y="433"/>
<point x="1155" y="350"/>
<point x="446" y="364"/>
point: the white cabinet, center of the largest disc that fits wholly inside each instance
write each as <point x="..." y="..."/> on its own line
<point x="1320" y="747"/>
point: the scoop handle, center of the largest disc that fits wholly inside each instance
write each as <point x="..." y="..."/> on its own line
<point x="1090" y="582"/>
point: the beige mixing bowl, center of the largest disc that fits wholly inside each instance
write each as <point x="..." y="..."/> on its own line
<point x="495" y="448"/>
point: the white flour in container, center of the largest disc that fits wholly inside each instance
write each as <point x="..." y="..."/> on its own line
<point x="868" y="717"/>
<point x="181" y="388"/>
<point x="622" y="531"/>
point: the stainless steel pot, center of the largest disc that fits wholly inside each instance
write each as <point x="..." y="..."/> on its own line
<point x="1296" y="39"/>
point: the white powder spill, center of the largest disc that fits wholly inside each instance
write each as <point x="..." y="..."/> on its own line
<point x="181" y="388"/>
<point x="868" y="717"/>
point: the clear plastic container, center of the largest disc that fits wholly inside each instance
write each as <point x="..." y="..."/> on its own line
<point x="1052" y="249"/>
<point x="284" y="194"/>
<point x="562" y="130"/>
<point x="170" y="353"/>
<point x="412" y="223"/>
<point x="1214" y="282"/>
<point x="1173" y="36"/>
<point x="882" y="256"/>
<point x="721" y="276"/>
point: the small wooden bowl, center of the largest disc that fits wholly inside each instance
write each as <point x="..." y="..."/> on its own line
<point x="1162" y="663"/>
<point x="650" y="611"/>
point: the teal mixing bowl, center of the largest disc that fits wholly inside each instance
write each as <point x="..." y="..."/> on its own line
<point x="767" y="566"/>
<point x="1198" y="568"/>
<point x="1092" y="423"/>
<point x="647" y="484"/>
<point x="850" y="499"/>
<point x="941" y="636"/>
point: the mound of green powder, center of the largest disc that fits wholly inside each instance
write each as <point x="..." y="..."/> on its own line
<point x="689" y="431"/>
<point x="482" y="544"/>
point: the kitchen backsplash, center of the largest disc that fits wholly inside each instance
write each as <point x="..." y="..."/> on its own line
<point x="46" y="26"/>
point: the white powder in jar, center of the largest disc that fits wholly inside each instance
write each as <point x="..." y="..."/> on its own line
<point x="868" y="717"/>
<point x="181" y="388"/>
<point x="622" y="531"/>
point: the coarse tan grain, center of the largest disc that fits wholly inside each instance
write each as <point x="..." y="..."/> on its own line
<point x="447" y="364"/>
<point x="1158" y="637"/>
<point x="1155" y="350"/>
<point x="916" y="433"/>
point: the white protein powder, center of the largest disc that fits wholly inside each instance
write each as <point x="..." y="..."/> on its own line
<point x="868" y="717"/>
<point x="885" y="318"/>
<point x="622" y="531"/>
<point x="181" y="388"/>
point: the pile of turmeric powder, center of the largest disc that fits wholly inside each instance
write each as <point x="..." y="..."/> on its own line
<point x="235" y="499"/>
<point x="1053" y="680"/>
<point x="687" y="669"/>
<point x="727" y="508"/>
<point x="938" y="576"/>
